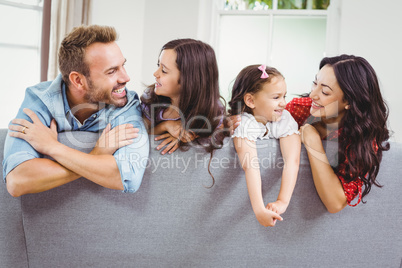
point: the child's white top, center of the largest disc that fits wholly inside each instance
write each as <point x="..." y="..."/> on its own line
<point x="251" y="129"/>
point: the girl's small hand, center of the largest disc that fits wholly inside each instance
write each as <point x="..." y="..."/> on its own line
<point x="113" y="139"/>
<point x="39" y="136"/>
<point x="170" y="142"/>
<point x="175" y="129"/>
<point x="278" y="206"/>
<point x="267" y="217"/>
<point x="233" y="122"/>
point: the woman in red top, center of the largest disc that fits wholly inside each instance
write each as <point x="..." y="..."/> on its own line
<point x="345" y="104"/>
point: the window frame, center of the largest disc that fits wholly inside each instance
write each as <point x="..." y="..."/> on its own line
<point x="271" y="13"/>
<point x="11" y="105"/>
<point x="39" y="8"/>
<point x="218" y="12"/>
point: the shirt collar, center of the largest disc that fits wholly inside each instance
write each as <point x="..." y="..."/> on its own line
<point x="65" y="101"/>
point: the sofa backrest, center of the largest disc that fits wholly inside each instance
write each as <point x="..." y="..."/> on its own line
<point x="175" y="220"/>
<point x="12" y="238"/>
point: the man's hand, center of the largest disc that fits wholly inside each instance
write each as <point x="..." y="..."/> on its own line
<point x="113" y="139"/>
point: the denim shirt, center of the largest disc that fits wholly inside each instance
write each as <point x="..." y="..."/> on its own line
<point x="48" y="100"/>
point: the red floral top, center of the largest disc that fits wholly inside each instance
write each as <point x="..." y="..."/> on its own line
<point x="299" y="108"/>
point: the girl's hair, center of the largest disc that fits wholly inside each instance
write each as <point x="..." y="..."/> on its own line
<point x="72" y="49"/>
<point x="364" y="125"/>
<point x="200" y="106"/>
<point x="248" y="81"/>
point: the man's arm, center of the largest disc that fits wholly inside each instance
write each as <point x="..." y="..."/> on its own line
<point x="24" y="169"/>
<point x="37" y="175"/>
<point x="101" y="169"/>
<point x="132" y="159"/>
<point x="40" y="174"/>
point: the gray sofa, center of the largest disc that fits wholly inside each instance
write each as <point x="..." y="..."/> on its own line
<point x="174" y="220"/>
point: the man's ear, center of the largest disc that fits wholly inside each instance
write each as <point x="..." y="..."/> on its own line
<point x="249" y="100"/>
<point x="77" y="80"/>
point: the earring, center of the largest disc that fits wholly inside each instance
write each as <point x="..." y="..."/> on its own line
<point x="347" y="107"/>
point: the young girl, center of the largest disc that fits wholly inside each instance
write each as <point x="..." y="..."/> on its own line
<point x="259" y="96"/>
<point x="184" y="104"/>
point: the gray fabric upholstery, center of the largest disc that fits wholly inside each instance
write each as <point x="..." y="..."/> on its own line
<point x="12" y="237"/>
<point x="174" y="220"/>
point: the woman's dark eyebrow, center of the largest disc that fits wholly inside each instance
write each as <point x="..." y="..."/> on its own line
<point x="324" y="85"/>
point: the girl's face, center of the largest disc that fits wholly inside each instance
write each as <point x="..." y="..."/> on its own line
<point x="269" y="103"/>
<point x="167" y="75"/>
<point x="327" y="96"/>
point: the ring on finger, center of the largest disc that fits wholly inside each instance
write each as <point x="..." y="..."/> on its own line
<point x="23" y="130"/>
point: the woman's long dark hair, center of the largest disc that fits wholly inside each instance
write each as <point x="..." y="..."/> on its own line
<point x="364" y="125"/>
<point x="200" y="103"/>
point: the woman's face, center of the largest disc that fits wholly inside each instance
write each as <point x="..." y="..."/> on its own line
<point x="167" y="75"/>
<point x="327" y="96"/>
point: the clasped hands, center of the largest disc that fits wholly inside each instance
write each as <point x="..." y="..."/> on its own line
<point x="174" y="134"/>
<point x="269" y="215"/>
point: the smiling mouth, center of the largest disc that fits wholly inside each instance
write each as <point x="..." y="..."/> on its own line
<point x="118" y="91"/>
<point x="316" y="106"/>
<point x="158" y="84"/>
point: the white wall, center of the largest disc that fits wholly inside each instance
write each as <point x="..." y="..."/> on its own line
<point x="144" y="26"/>
<point x="127" y="16"/>
<point x="373" y="29"/>
<point x="165" y="21"/>
<point x="368" y="28"/>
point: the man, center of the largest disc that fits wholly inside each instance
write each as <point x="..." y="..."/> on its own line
<point x="88" y="95"/>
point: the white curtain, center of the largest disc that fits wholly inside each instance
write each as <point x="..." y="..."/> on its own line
<point x="65" y="15"/>
<point x="208" y="21"/>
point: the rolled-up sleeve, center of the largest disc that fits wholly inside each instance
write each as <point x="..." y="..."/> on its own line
<point x="17" y="151"/>
<point x="132" y="159"/>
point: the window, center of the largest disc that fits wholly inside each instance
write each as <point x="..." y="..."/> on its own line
<point x="20" y="36"/>
<point x="289" y="35"/>
<point x="275" y="4"/>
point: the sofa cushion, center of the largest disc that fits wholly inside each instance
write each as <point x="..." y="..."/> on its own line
<point x="175" y="220"/>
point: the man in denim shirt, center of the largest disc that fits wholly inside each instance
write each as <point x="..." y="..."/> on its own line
<point x="88" y="95"/>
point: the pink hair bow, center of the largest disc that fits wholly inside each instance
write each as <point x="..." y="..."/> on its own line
<point x="264" y="74"/>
